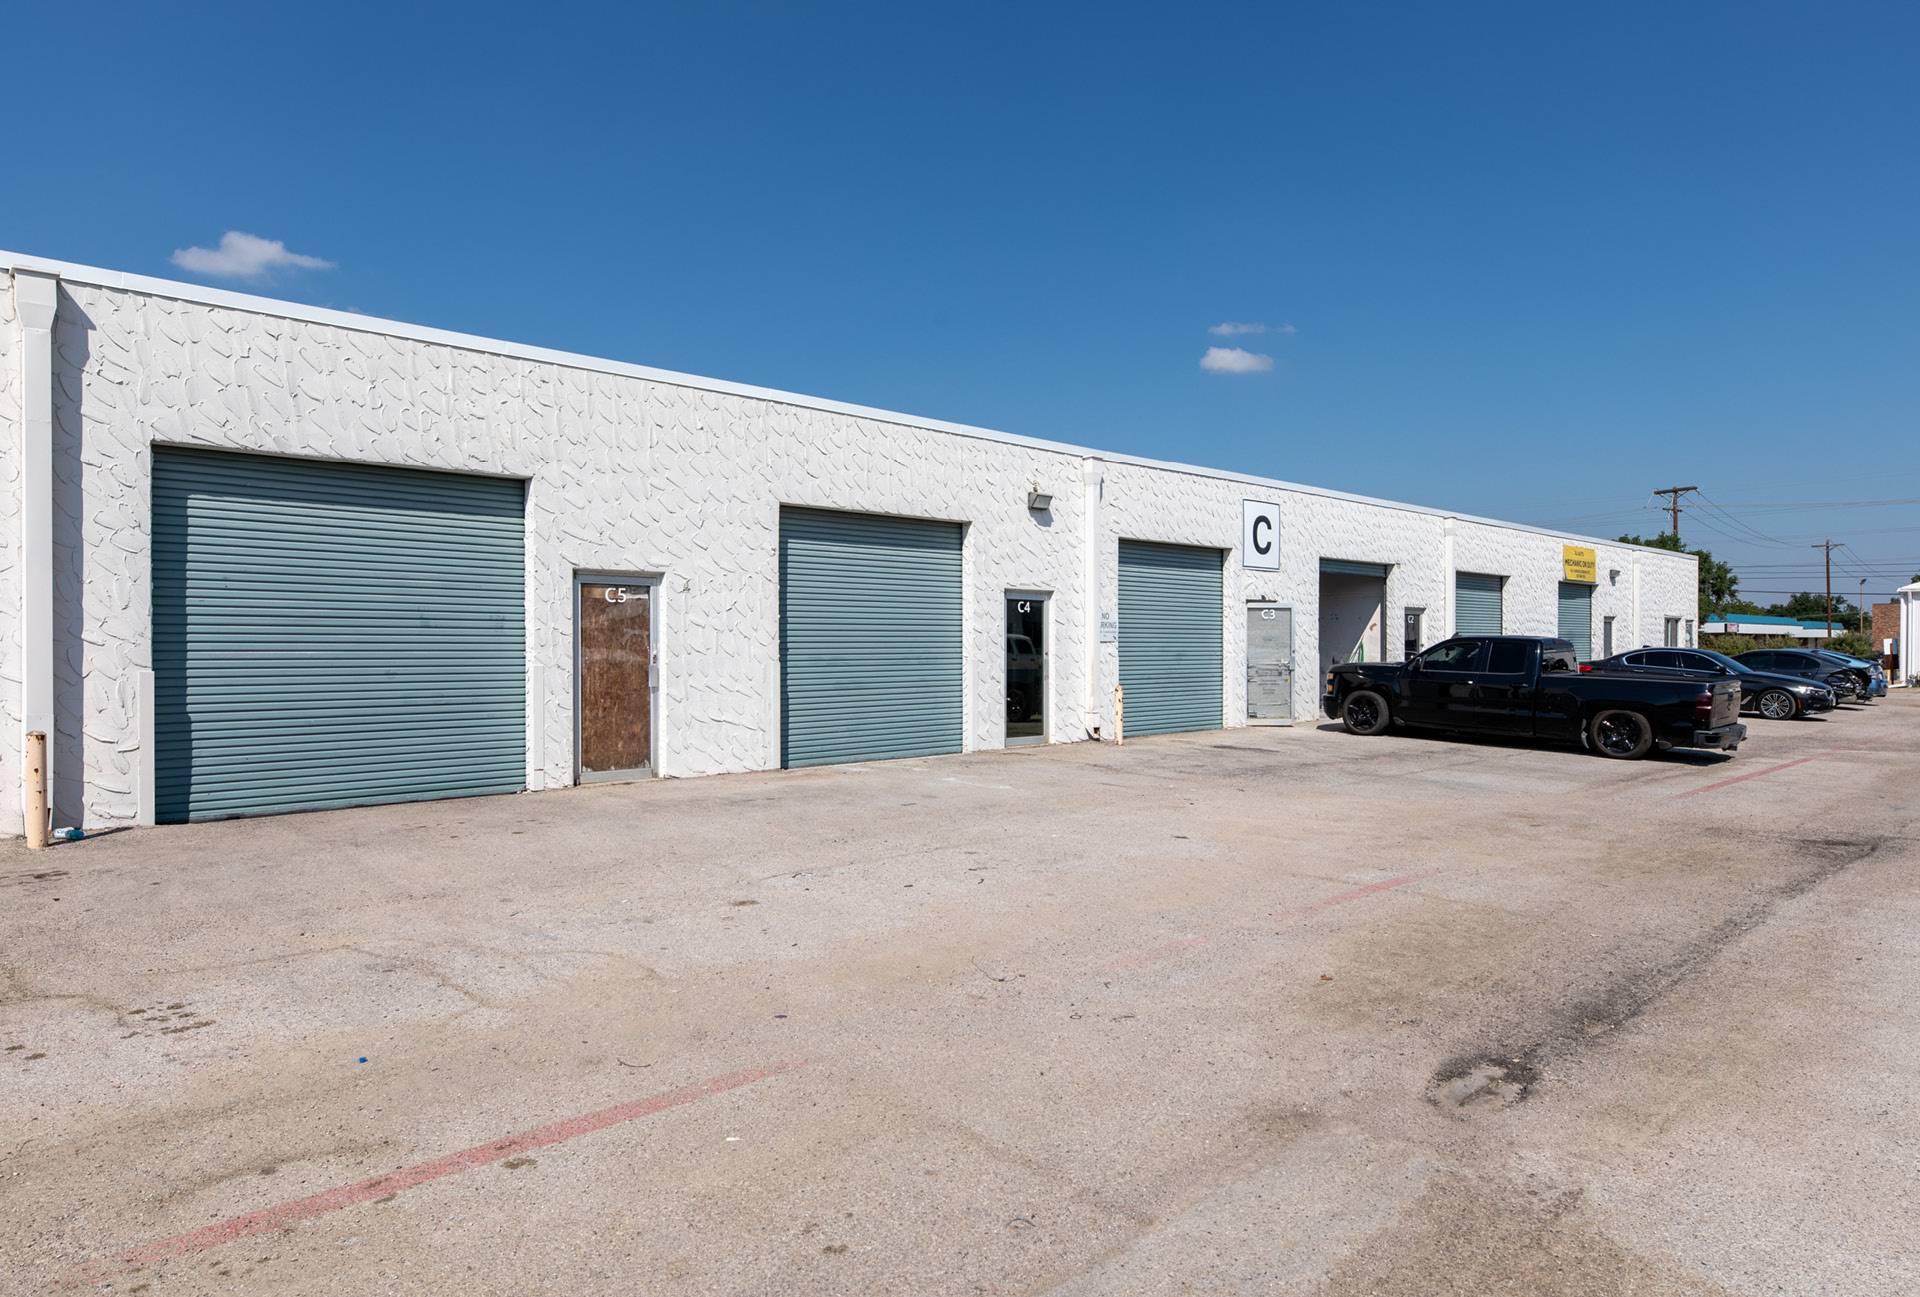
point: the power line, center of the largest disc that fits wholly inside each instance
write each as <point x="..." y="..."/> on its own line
<point x="1829" y="545"/>
<point x="1673" y="503"/>
<point x="1822" y="504"/>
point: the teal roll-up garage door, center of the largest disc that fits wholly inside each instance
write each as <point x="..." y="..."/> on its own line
<point x="1170" y="637"/>
<point x="1576" y="617"/>
<point x="331" y="634"/>
<point x="870" y="637"/>
<point x="1477" y="606"/>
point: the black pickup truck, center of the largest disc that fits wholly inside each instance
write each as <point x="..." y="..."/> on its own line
<point x="1528" y="687"/>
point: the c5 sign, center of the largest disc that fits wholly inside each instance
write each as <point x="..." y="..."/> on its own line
<point x="1581" y="564"/>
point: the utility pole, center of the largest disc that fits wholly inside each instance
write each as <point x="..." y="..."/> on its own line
<point x="1829" y="546"/>
<point x="1673" y="504"/>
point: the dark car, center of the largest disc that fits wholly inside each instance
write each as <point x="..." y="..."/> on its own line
<point x="1529" y="687"/>
<point x="1873" y="680"/>
<point x="1776" y="697"/>
<point x="1806" y="664"/>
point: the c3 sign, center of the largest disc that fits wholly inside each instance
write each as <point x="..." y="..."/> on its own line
<point x="1260" y="535"/>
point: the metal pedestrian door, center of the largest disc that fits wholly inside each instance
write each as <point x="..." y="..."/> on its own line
<point x="1269" y="665"/>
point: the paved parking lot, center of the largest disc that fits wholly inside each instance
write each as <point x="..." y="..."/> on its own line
<point x="1256" y="1011"/>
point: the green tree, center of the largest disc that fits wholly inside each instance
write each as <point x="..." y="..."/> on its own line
<point x="1719" y="587"/>
<point x="1853" y="644"/>
<point x="1813" y="607"/>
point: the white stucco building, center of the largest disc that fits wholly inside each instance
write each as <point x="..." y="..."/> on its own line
<point x="1908" y="597"/>
<point x="263" y="556"/>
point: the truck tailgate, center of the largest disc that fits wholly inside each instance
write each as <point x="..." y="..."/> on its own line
<point x="1726" y="703"/>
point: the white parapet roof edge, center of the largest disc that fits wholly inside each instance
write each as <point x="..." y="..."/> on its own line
<point x="178" y="291"/>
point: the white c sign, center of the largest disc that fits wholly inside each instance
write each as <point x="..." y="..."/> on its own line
<point x="1260" y="535"/>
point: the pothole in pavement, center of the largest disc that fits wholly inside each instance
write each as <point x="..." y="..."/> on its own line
<point x="1479" y="1082"/>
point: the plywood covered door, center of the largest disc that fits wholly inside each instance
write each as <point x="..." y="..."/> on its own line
<point x="616" y="678"/>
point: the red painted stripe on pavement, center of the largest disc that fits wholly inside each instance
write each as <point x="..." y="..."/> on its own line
<point x="319" y="1204"/>
<point x="1741" y="779"/>
<point x="1171" y="948"/>
<point x="1355" y="894"/>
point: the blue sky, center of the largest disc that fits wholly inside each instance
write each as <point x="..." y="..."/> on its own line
<point x="1536" y="260"/>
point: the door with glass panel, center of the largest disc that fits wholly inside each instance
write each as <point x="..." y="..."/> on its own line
<point x="1026" y="669"/>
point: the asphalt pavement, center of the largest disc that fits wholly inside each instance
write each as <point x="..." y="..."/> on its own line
<point x="1255" y="1011"/>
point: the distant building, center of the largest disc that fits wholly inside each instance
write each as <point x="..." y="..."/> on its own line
<point x="1886" y="624"/>
<point x="1902" y="670"/>
<point x="1775" y="627"/>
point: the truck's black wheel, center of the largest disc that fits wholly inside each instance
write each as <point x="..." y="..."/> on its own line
<point x="1364" y="712"/>
<point x="1620" y="734"/>
<point x="1777" y="705"/>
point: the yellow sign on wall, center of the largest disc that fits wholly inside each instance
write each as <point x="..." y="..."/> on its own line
<point x="1581" y="564"/>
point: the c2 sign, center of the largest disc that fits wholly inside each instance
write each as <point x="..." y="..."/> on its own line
<point x="1260" y="535"/>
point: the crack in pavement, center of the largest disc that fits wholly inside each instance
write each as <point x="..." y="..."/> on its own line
<point x="1506" y="1074"/>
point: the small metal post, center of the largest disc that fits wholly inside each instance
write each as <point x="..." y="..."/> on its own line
<point x="36" y="790"/>
<point x="1119" y="716"/>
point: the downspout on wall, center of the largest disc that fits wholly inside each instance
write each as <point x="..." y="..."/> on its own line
<point x="37" y="299"/>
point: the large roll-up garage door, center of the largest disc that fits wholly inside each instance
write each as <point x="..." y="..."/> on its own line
<point x="870" y="637"/>
<point x="1477" y="606"/>
<point x="1170" y="637"/>
<point x="331" y="634"/>
<point x="1576" y="617"/>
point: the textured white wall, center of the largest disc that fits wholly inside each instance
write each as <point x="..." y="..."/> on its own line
<point x="637" y="475"/>
<point x="12" y="675"/>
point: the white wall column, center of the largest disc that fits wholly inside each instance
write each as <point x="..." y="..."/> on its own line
<point x="1093" y="479"/>
<point x="1637" y="637"/>
<point x="146" y="803"/>
<point x="1446" y="581"/>
<point x="37" y="298"/>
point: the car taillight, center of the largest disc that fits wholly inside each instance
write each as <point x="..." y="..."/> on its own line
<point x="1703" y="706"/>
<point x="1586" y="666"/>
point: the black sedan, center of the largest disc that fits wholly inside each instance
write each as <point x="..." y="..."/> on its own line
<point x="1776" y="697"/>
<point x="1805" y="664"/>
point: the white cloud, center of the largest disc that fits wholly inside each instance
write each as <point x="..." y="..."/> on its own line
<point x="244" y="256"/>
<point x="1233" y="360"/>
<point x="1230" y="330"/>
